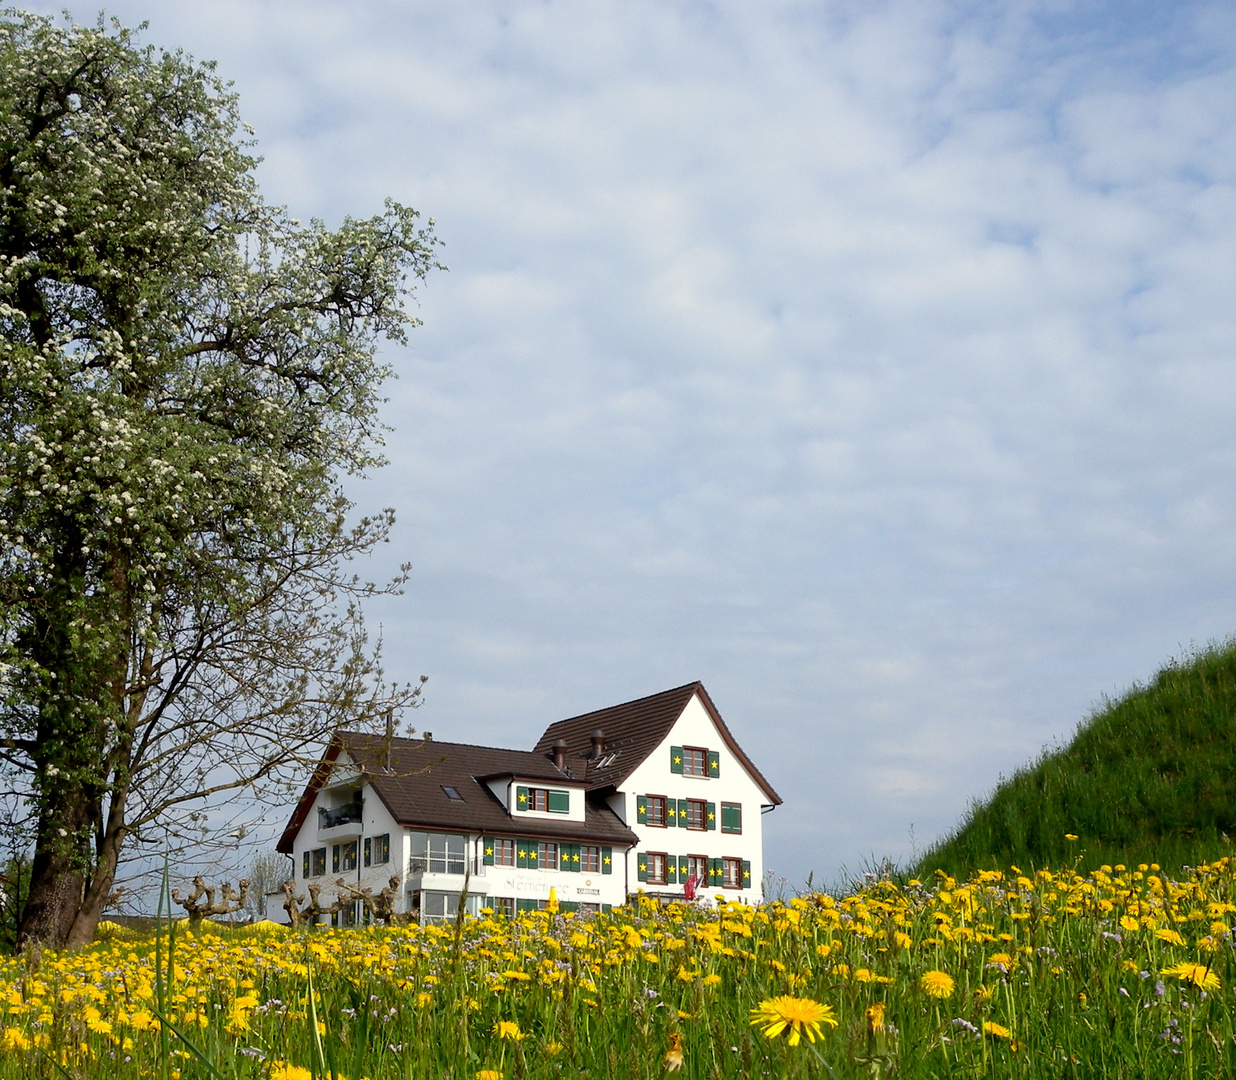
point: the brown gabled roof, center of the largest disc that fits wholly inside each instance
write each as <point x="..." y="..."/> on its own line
<point x="419" y="770"/>
<point x="632" y="731"/>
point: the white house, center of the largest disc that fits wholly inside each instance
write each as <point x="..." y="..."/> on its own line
<point x="654" y="795"/>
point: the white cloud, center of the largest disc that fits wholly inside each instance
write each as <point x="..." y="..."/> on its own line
<point x="871" y="362"/>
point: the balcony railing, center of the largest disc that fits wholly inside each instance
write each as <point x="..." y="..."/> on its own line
<point x="348" y="814"/>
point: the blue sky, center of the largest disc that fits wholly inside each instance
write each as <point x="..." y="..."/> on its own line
<point x="870" y="362"/>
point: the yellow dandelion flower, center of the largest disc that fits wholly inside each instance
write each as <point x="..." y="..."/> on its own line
<point x="875" y="1018"/>
<point x="673" y="1056"/>
<point x="1172" y="937"/>
<point x="489" y="1074"/>
<point x="1199" y="975"/>
<point x="778" y="1014"/>
<point x="281" y="1070"/>
<point x="996" y="1031"/>
<point x="509" y="1030"/>
<point x="937" y="984"/>
<point x="15" y="1039"/>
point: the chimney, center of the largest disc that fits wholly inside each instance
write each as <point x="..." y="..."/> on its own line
<point x="598" y="745"/>
<point x="559" y="751"/>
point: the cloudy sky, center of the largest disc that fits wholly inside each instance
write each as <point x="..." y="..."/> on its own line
<point x="871" y="362"/>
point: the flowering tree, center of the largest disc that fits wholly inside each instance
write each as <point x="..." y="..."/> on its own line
<point x="185" y="375"/>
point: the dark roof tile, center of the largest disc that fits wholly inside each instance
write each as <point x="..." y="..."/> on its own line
<point x="632" y="731"/>
<point x="412" y="789"/>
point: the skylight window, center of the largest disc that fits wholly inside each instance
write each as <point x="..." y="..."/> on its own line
<point x="452" y="793"/>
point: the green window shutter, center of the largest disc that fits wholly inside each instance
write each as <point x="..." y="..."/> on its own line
<point x="671" y="870"/>
<point x="305" y="865"/>
<point x="746" y="873"/>
<point x="525" y="905"/>
<point x="716" y="871"/>
<point x="489" y="850"/>
<point x="564" y="856"/>
<point x="334" y="859"/>
<point x="559" y="802"/>
<point x="682" y="813"/>
<point x="568" y="906"/>
<point x="574" y="867"/>
<point x="731" y="817"/>
<point x="671" y="813"/>
<point x="607" y="860"/>
<point x="534" y="853"/>
<point x="684" y="869"/>
<point x="641" y="871"/>
<point x="710" y="815"/>
<point x="676" y="759"/>
<point x="368" y="851"/>
<point x="521" y="854"/>
<point x="521" y="798"/>
<point x="606" y="908"/>
<point x="641" y="809"/>
<point x="714" y="763"/>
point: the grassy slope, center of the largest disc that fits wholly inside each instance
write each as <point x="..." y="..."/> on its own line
<point x="1148" y="778"/>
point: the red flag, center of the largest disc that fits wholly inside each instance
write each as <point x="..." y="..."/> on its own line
<point x="693" y="883"/>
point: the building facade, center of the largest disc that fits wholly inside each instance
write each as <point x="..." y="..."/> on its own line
<point x="653" y="795"/>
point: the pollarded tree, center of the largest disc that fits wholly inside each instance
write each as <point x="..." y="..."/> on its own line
<point x="185" y="375"/>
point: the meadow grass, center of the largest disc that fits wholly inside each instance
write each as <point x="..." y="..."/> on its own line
<point x="1150" y="777"/>
<point x="1119" y="972"/>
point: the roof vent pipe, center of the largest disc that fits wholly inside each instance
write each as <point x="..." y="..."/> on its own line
<point x="598" y="745"/>
<point x="388" y="766"/>
<point x="560" y="751"/>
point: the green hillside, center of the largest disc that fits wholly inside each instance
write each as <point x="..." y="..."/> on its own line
<point x="1149" y="778"/>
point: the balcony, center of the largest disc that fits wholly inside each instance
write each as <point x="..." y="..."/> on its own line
<point x="332" y="820"/>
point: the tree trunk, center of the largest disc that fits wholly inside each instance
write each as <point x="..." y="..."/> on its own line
<point x="57" y="876"/>
<point x="81" y="933"/>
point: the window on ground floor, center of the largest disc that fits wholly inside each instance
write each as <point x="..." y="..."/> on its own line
<point x="444" y="906"/>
